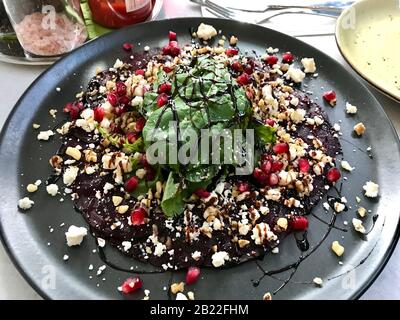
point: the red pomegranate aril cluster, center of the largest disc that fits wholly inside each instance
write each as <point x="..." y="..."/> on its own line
<point x="98" y="114"/>
<point x="127" y="46"/>
<point x="120" y="88"/>
<point x="202" y="193"/>
<point x="140" y="72"/>
<point x="270" y="122"/>
<point x="74" y="109"/>
<point x="131" y="184"/>
<point x="280" y="148"/>
<point x="243" y="186"/>
<point x="271" y="60"/>
<point x="330" y="97"/>
<point x="172" y="49"/>
<point x="162" y="100"/>
<point x="299" y="223"/>
<point x="138" y="217"/>
<point x="287" y="57"/>
<point x="112" y="99"/>
<point x="172" y="36"/>
<point x="168" y="69"/>
<point x="304" y="165"/>
<point x="131" y="285"/>
<point x="140" y="123"/>
<point x="333" y="175"/>
<point x="165" y="88"/>
<point x="131" y="137"/>
<point x="236" y="66"/>
<point x="243" y="79"/>
<point x="192" y="275"/>
<point x="230" y="52"/>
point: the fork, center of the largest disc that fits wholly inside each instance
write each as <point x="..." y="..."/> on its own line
<point x="233" y="13"/>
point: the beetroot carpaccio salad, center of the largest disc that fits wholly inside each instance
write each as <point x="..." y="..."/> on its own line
<point x="189" y="216"/>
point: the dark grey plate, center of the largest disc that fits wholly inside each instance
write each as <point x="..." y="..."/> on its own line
<point x="23" y="160"/>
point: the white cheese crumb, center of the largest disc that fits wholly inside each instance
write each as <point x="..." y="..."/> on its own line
<point x="339" y="207"/>
<point x="52" y="189"/>
<point x="70" y="175"/>
<point x="206" y="32"/>
<point x="101" y="242"/>
<point x="31" y="188"/>
<point x="75" y="235"/>
<point x="159" y="249"/>
<point x="25" y="203"/>
<point x="350" y="109"/>
<point x="196" y="255"/>
<point x="336" y="127"/>
<point x="346" y="166"/>
<point x="294" y="74"/>
<point x="181" y="296"/>
<point x="318" y="281"/>
<point x="45" y="135"/>
<point x="127" y="245"/>
<point x="36" y="126"/>
<point x="309" y="65"/>
<point x="371" y="189"/>
<point x="66" y="257"/>
<point x="219" y="258"/>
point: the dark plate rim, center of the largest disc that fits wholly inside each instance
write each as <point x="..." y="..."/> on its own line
<point x="357" y="294"/>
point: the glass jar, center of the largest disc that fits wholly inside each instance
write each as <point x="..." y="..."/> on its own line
<point x="47" y="28"/>
<point x="120" y="13"/>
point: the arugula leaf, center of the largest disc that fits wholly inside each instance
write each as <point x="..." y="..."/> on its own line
<point x="265" y="133"/>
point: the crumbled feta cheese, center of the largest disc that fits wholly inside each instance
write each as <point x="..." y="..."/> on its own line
<point x="262" y="233"/>
<point x="219" y="258"/>
<point x="336" y="127"/>
<point x="318" y="281"/>
<point x="309" y="65"/>
<point x="196" y="255"/>
<point x="159" y="249"/>
<point x="126" y="245"/>
<point x="70" y="175"/>
<point x="25" y="203"/>
<point x="206" y="32"/>
<point x="294" y="74"/>
<point x="118" y="64"/>
<point x="339" y="207"/>
<point x="326" y="206"/>
<point x="75" y="235"/>
<point x="65" y="257"/>
<point x="52" y="189"/>
<point x="346" y="166"/>
<point x="107" y="187"/>
<point x="45" y="135"/>
<point x="371" y="189"/>
<point x="350" y="109"/>
<point x="181" y="296"/>
<point x="298" y="115"/>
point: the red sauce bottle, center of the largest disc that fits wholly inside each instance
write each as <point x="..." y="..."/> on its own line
<point x="120" y="13"/>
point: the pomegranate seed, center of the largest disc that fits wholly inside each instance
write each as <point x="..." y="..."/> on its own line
<point x="266" y="157"/>
<point x="166" y="50"/>
<point x="79" y="105"/>
<point x="281" y="148"/>
<point x="124" y="100"/>
<point x="299" y="223"/>
<point x="150" y="174"/>
<point x="236" y="66"/>
<point x="333" y="175"/>
<point x="131" y="284"/>
<point x="172" y="36"/>
<point x="162" y="100"/>
<point x="304" y="165"/>
<point x="140" y="123"/>
<point x="266" y="167"/>
<point x="174" y="49"/>
<point x="202" y="193"/>
<point x="121" y="88"/>
<point x="276" y="166"/>
<point x="243" y="186"/>
<point x="273" y="179"/>
<point x="248" y="69"/>
<point x="192" y="275"/>
<point x="271" y="60"/>
<point x="288" y="57"/>
<point x="167" y="69"/>
<point x="260" y="176"/>
<point x="74" y="112"/>
<point x="243" y="79"/>
<point x="249" y="94"/>
<point x="112" y="99"/>
<point x="165" y="88"/>
<point x="143" y="161"/>
<point x="131" y="184"/>
<point x="230" y="52"/>
<point x="127" y="46"/>
<point x="114" y="128"/>
<point x="119" y="110"/>
<point x="139" y="72"/>
<point x="330" y="96"/>
<point x="138" y="216"/>
<point x="270" y="122"/>
<point x="131" y="137"/>
<point x="98" y="114"/>
<point x="68" y="107"/>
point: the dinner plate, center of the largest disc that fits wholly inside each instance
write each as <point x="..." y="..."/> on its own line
<point x="367" y="34"/>
<point x="35" y="239"/>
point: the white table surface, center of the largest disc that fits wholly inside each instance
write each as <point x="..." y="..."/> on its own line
<point x="15" y="79"/>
